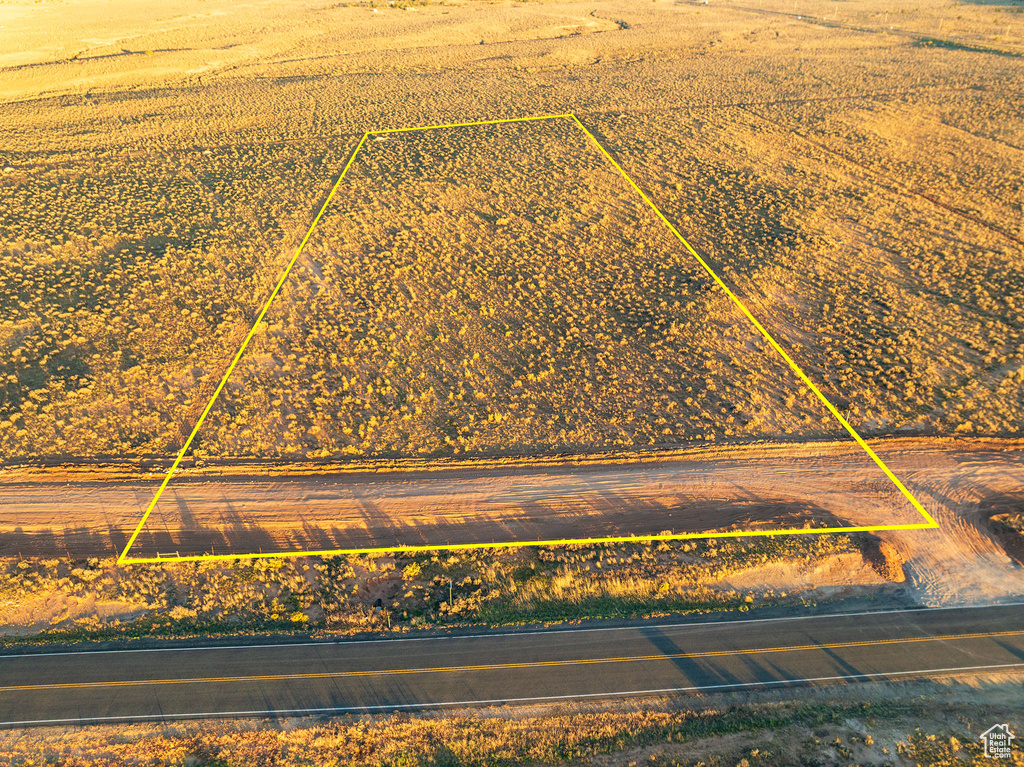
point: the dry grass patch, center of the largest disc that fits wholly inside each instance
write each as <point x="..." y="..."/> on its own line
<point x="828" y="727"/>
<point x="56" y="599"/>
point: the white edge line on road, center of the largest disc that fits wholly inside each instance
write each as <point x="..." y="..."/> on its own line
<point x="507" y="701"/>
<point x="549" y="631"/>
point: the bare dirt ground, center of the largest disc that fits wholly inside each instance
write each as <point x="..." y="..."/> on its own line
<point x="960" y="483"/>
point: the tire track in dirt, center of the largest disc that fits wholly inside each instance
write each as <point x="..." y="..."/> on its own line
<point x="235" y="509"/>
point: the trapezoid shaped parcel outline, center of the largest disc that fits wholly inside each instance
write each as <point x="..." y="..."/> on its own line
<point x="928" y="523"/>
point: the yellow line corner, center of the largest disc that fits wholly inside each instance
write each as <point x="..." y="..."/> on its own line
<point x="764" y="332"/>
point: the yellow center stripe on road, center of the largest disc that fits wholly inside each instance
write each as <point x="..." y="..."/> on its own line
<point x="503" y="666"/>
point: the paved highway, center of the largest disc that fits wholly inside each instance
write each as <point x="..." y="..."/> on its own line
<point x="390" y="674"/>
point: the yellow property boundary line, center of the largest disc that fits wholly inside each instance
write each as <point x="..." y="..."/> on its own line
<point x="928" y="524"/>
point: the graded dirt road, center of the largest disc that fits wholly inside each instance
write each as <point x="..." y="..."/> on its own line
<point x="529" y="667"/>
<point x="753" y="488"/>
<point x="242" y="513"/>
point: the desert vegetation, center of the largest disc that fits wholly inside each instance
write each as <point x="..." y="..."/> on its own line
<point x="897" y="291"/>
<point x="54" y="599"/>
<point x="1013" y="521"/>
<point x="534" y="305"/>
<point x="129" y="281"/>
<point x="498" y="289"/>
<point x="896" y="727"/>
<point x="852" y="170"/>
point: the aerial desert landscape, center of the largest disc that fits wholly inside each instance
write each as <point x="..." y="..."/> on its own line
<point x="499" y="291"/>
<point x="708" y="305"/>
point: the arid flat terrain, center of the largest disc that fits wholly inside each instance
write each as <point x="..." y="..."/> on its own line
<point x="657" y="273"/>
<point x="872" y="222"/>
<point x="850" y="170"/>
<point x="961" y="485"/>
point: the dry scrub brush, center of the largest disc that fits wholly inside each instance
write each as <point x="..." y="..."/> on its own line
<point x="501" y="290"/>
<point x="898" y="729"/>
<point x="129" y="280"/>
<point x="495" y="290"/>
<point x="907" y="312"/>
<point x="339" y="594"/>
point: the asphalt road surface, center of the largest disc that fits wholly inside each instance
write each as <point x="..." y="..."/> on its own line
<point x="522" y="667"/>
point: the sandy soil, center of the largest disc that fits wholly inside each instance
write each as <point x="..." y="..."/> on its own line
<point x="30" y="616"/>
<point x="961" y="483"/>
<point x="832" y="576"/>
<point x="59" y="49"/>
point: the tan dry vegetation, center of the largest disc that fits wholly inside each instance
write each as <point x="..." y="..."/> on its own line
<point x="51" y="48"/>
<point x="129" y="279"/>
<point x="875" y="230"/>
<point x="851" y="168"/>
<point x="911" y="723"/>
<point x="906" y="311"/>
<point x="55" y="599"/>
<point x="499" y="289"/>
<point x="1012" y="521"/>
<point x="856" y="182"/>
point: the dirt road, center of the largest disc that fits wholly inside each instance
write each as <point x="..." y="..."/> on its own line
<point x="751" y="488"/>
